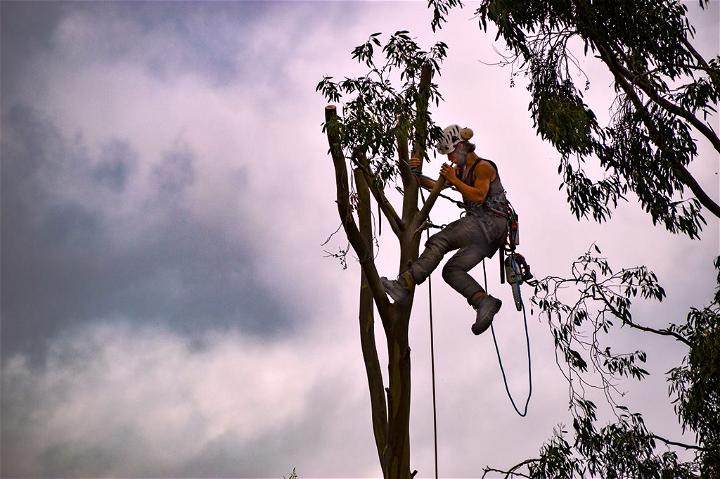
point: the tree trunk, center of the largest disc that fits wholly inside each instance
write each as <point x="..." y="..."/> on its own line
<point x="367" y="329"/>
<point x="390" y="408"/>
<point x="397" y="454"/>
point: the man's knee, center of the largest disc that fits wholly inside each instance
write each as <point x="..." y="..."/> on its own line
<point x="438" y="242"/>
<point x="450" y="270"/>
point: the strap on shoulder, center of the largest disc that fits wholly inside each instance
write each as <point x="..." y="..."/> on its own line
<point x="469" y="176"/>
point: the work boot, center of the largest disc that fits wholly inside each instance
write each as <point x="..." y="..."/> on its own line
<point x="397" y="289"/>
<point x="486" y="308"/>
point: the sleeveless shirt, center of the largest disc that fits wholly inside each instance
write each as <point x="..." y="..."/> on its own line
<point x="495" y="197"/>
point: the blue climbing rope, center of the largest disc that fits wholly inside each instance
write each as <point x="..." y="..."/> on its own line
<point x="502" y="369"/>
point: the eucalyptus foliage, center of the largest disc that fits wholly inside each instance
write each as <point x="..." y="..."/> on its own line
<point x="695" y="384"/>
<point x="583" y="311"/>
<point x="381" y="105"/>
<point x="665" y="92"/>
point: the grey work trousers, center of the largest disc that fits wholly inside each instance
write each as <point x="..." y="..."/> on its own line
<point x="475" y="237"/>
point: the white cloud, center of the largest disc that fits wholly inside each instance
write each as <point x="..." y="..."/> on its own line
<point x="147" y="401"/>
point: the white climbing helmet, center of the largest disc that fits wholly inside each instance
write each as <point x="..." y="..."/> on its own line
<point x="452" y="135"/>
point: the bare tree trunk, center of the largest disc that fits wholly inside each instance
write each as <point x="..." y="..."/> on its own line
<point x="397" y="457"/>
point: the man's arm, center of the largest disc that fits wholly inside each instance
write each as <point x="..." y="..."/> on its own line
<point x="484" y="174"/>
<point x="425" y="182"/>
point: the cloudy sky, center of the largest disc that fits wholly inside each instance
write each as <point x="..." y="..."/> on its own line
<point x="167" y="307"/>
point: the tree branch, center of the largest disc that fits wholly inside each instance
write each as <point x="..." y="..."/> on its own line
<point x="679" y="444"/>
<point x="661" y="332"/>
<point x="367" y="329"/>
<point x="683" y="174"/>
<point x="697" y="190"/>
<point x="404" y="156"/>
<point x="410" y="184"/>
<point x="625" y="320"/>
<point x="396" y="224"/>
<point x="429" y="203"/>
<point x="663" y="102"/>
<point x="511" y="472"/>
<point x="700" y="59"/>
<point x="421" y="119"/>
<point x="365" y="256"/>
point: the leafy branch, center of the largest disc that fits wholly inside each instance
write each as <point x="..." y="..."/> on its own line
<point x="581" y="311"/>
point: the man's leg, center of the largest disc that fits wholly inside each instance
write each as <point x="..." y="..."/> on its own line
<point x="455" y="273"/>
<point x="455" y="235"/>
<point x="458" y="234"/>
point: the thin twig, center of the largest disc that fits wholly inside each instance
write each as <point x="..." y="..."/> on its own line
<point x="679" y="444"/>
<point x="511" y="472"/>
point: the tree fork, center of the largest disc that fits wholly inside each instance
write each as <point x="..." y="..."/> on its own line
<point x="395" y="447"/>
<point x="391" y="413"/>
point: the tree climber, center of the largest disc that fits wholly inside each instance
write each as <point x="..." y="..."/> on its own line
<point x="476" y="235"/>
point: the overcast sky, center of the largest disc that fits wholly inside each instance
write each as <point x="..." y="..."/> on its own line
<point x="167" y="309"/>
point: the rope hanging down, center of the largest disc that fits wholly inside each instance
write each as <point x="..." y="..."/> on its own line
<point x="432" y="351"/>
<point x="432" y="363"/>
<point x="502" y="369"/>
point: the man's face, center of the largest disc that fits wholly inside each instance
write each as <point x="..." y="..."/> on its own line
<point x="458" y="156"/>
